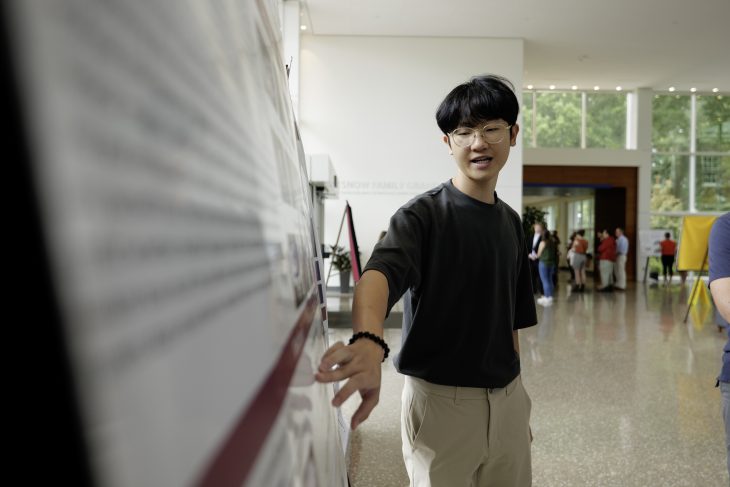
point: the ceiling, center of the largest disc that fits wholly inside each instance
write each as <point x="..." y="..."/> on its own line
<point x="629" y="43"/>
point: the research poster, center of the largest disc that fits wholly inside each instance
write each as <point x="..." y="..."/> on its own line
<point x="175" y="205"/>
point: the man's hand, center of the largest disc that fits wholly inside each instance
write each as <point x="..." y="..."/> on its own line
<point x="360" y="364"/>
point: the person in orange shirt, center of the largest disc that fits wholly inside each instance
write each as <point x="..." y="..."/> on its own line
<point x="669" y="249"/>
<point x="578" y="262"/>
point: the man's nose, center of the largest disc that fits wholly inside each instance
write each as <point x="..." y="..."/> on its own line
<point x="479" y="142"/>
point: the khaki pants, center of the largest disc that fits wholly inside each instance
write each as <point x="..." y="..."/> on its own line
<point x="606" y="269"/>
<point x="619" y="268"/>
<point x="465" y="436"/>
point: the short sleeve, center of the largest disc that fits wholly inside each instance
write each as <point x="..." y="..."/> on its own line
<point x="719" y="248"/>
<point x="525" y="312"/>
<point x="398" y="254"/>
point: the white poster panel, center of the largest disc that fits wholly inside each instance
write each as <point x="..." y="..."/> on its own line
<point x="180" y="233"/>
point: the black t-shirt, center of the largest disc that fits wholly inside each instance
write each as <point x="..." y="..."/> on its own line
<point x="464" y="265"/>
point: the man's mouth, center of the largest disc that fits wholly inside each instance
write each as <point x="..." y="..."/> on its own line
<point x="482" y="161"/>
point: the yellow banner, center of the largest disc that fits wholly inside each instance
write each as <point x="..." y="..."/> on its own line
<point x="693" y="242"/>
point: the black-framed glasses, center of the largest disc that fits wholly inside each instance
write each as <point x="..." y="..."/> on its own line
<point x="492" y="133"/>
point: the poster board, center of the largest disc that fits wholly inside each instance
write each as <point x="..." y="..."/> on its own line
<point x="695" y="236"/>
<point x="173" y="199"/>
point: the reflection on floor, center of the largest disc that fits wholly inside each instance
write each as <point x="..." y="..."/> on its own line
<point x="623" y="395"/>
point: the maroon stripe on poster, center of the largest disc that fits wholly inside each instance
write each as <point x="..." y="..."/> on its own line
<point x="236" y="457"/>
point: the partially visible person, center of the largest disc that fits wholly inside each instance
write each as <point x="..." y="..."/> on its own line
<point x="547" y="256"/>
<point x="719" y="253"/>
<point x="606" y="258"/>
<point x="580" y="248"/>
<point x="538" y="228"/>
<point x="669" y="250"/>
<point x="569" y="257"/>
<point x="556" y="239"/>
<point x="619" y="267"/>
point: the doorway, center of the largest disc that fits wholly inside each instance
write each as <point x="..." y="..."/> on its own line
<point x="614" y="194"/>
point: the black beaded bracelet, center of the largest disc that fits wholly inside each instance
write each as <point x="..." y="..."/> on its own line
<point x="373" y="337"/>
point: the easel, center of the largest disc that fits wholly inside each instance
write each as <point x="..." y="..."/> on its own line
<point x="646" y="266"/>
<point x="697" y="283"/>
<point x="337" y="241"/>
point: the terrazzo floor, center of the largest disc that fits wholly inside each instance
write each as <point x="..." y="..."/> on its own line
<point x="623" y="395"/>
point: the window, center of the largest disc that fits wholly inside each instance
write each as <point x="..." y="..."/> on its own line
<point x="527" y="119"/>
<point x="580" y="215"/>
<point x="574" y="119"/>
<point x="558" y="119"/>
<point x="691" y="161"/>
<point x="606" y="120"/>
<point x="713" y="123"/>
<point x="670" y="121"/>
<point x="712" y="192"/>
<point x="670" y="183"/>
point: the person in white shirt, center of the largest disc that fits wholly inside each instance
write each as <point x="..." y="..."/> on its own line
<point x="619" y="267"/>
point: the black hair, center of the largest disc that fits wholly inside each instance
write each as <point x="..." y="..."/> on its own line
<point x="581" y="232"/>
<point x="667" y="235"/>
<point x="486" y="97"/>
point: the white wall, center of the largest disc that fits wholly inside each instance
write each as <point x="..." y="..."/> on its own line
<point x="370" y="103"/>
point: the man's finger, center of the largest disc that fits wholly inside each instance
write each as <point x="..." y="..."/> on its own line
<point x="335" y="375"/>
<point x="339" y="356"/>
<point x="369" y="401"/>
<point x="350" y="387"/>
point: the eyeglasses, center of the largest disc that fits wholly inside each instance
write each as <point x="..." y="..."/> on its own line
<point x="491" y="134"/>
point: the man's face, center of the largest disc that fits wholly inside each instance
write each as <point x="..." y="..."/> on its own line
<point x="537" y="227"/>
<point x="479" y="160"/>
<point x="619" y="232"/>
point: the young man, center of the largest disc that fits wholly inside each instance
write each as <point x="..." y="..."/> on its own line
<point x="461" y="255"/>
<point x="719" y="253"/>
<point x="619" y="267"/>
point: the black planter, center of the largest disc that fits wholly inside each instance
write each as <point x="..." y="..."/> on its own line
<point x="344" y="282"/>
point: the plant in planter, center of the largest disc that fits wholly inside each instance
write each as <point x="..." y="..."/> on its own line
<point x="341" y="262"/>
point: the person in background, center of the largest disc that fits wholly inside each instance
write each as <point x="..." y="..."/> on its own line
<point x="569" y="257"/>
<point x="547" y="256"/>
<point x="556" y="240"/>
<point x="719" y="282"/>
<point x="606" y="258"/>
<point x="460" y="254"/>
<point x="619" y="267"/>
<point x="669" y="250"/>
<point x="580" y="248"/>
<point x="538" y="228"/>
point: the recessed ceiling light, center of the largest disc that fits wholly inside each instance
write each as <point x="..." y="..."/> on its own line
<point x="715" y="90"/>
<point x="574" y="87"/>
<point x="596" y="88"/>
<point x="529" y="87"/>
<point x="693" y="89"/>
<point x="618" y="88"/>
<point x="671" y="88"/>
<point x="552" y="87"/>
<point x="303" y="27"/>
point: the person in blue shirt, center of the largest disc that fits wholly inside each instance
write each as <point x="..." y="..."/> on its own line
<point x="719" y="253"/>
<point x="619" y="267"/>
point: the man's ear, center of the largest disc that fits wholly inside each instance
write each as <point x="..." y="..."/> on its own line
<point x="513" y="134"/>
<point x="447" y="141"/>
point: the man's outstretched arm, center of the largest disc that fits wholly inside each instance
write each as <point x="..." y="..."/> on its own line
<point x="360" y="362"/>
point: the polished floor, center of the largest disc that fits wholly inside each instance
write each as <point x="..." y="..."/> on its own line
<point x="623" y="395"/>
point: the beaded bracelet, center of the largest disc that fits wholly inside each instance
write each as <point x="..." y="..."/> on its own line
<point x="373" y="337"/>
